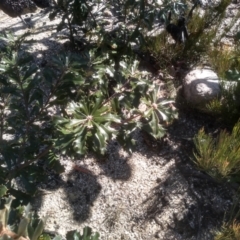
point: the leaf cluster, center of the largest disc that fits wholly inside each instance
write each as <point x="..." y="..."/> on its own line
<point x="228" y="106"/>
<point x="22" y="224"/>
<point x="111" y="110"/>
<point x="76" y="104"/>
<point x="203" y="29"/>
<point x="219" y="157"/>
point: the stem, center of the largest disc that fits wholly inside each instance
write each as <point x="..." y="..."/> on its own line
<point x="71" y="31"/>
<point x="116" y="93"/>
<point x="91" y="13"/>
<point x="49" y="96"/>
<point x="25" y="99"/>
<point x="2" y="124"/>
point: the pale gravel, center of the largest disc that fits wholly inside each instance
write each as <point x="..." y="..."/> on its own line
<point x="122" y="192"/>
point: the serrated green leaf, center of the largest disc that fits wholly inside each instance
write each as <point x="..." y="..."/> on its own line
<point x="153" y="127"/>
<point x="164" y="116"/>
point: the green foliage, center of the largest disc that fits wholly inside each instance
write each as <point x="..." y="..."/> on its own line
<point x="98" y="117"/>
<point x="229" y="232"/>
<point x="27" y="227"/>
<point x="202" y="44"/>
<point x="25" y="124"/>
<point x="233" y="75"/>
<point x="219" y="157"/>
<point x="21" y="223"/>
<point x="228" y="106"/>
<point x="87" y="235"/>
<point x="89" y="120"/>
<point x="221" y="60"/>
<point x="80" y="102"/>
<point x="3" y="190"/>
<point x="135" y="17"/>
<point x="157" y="110"/>
<point x="230" y="229"/>
<point x="74" y="12"/>
<point x="98" y="93"/>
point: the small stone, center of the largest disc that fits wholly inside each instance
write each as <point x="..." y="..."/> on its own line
<point x="201" y="86"/>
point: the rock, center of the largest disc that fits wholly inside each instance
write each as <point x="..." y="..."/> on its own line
<point x="200" y="86"/>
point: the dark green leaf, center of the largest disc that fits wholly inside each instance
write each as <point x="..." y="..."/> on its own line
<point x="3" y="190"/>
<point x="232" y="75"/>
<point x="32" y="69"/>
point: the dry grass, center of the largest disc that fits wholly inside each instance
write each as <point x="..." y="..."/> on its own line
<point x="204" y="45"/>
<point x="229" y="232"/>
<point x="219" y="157"/>
<point x="230" y="229"/>
<point x="223" y="57"/>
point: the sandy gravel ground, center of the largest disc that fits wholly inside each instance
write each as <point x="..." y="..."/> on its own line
<point x="155" y="193"/>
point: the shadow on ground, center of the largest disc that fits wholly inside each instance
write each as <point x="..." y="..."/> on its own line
<point x="195" y="203"/>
